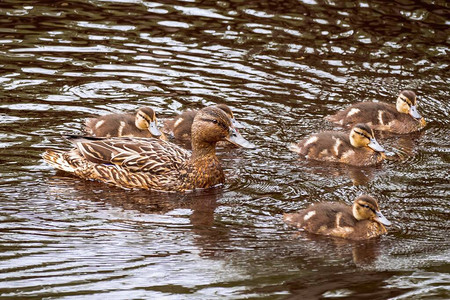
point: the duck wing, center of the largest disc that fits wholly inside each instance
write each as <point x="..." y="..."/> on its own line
<point x="134" y="154"/>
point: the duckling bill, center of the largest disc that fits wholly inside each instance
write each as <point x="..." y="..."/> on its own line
<point x="363" y="220"/>
<point x="149" y="163"/>
<point x="359" y="148"/>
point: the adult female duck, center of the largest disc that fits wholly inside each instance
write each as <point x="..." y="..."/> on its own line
<point x="359" y="148"/>
<point x="150" y="163"/>
<point x="402" y="118"/>
<point x="361" y="221"/>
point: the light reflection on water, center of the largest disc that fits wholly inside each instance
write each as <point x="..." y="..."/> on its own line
<point x="282" y="66"/>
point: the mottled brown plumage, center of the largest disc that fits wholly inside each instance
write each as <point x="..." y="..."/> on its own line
<point x="180" y="126"/>
<point x="402" y="118"/>
<point x="359" y="148"/>
<point x="150" y="163"/>
<point x="143" y="123"/>
<point x="361" y="221"/>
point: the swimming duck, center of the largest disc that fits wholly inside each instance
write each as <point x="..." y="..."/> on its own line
<point x="402" y="118"/>
<point x="143" y="123"/>
<point x="359" y="148"/>
<point x="361" y="221"/>
<point x="150" y="163"/>
<point x="180" y="126"/>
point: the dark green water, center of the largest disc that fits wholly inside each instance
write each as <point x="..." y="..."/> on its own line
<point x="282" y="66"/>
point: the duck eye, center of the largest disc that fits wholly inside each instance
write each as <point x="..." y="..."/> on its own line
<point x="361" y="134"/>
<point x="215" y="121"/>
<point x="405" y="100"/>
<point x="144" y="117"/>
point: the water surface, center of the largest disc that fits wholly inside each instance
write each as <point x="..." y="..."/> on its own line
<point x="282" y="66"/>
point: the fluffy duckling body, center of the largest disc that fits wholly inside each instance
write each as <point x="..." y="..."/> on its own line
<point x="150" y="163"/>
<point x="359" y="148"/>
<point x="361" y="221"/>
<point x="402" y="118"/>
<point x="143" y="123"/>
<point x="180" y="127"/>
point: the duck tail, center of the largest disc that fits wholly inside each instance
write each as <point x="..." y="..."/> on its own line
<point x="56" y="159"/>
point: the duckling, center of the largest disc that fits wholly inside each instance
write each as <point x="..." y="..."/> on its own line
<point x="401" y="119"/>
<point x="150" y="163"/>
<point x="361" y="221"/>
<point x="180" y="126"/>
<point x="141" y="124"/>
<point x="359" y="148"/>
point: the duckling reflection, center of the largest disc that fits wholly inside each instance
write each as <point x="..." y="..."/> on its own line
<point x="357" y="175"/>
<point x="361" y="252"/>
<point x="402" y="118"/>
<point x="141" y="124"/>
<point x="359" y="148"/>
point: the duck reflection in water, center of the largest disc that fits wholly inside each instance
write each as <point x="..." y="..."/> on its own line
<point x="199" y="206"/>
<point x="358" y="175"/>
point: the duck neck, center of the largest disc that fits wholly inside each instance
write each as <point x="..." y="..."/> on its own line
<point x="202" y="150"/>
<point x="203" y="169"/>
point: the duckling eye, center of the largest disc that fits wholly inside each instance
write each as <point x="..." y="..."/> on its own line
<point x="144" y="117"/>
<point x="361" y="134"/>
<point x="406" y="101"/>
<point x="363" y="205"/>
<point x="215" y="121"/>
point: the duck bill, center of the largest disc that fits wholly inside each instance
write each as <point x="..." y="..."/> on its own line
<point x="236" y="124"/>
<point x="382" y="219"/>
<point x="414" y="113"/>
<point x="237" y="139"/>
<point x="375" y="146"/>
<point x="153" y="128"/>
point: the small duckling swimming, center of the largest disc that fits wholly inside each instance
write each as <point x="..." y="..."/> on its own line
<point x="180" y="126"/>
<point x="141" y="124"/>
<point x="359" y="148"/>
<point x="361" y="221"/>
<point x="401" y="119"/>
<point x="150" y="163"/>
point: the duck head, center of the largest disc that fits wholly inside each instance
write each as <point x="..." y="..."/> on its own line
<point x="146" y="120"/>
<point x="362" y="135"/>
<point x="366" y="208"/>
<point x="211" y="125"/>
<point x="230" y="115"/>
<point x="407" y="104"/>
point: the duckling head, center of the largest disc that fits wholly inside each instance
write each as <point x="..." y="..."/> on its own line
<point x="146" y="120"/>
<point x="407" y="104"/>
<point x="211" y="125"/>
<point x="366" y="207"/>
<point x="362" y="135"/>
<point x="230" y="115"/>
